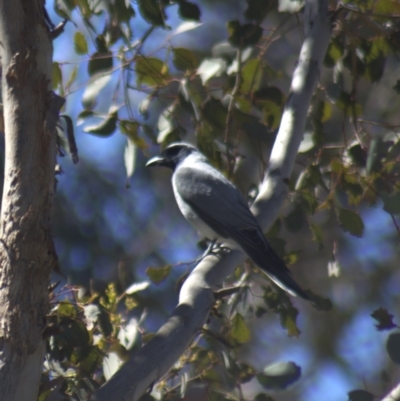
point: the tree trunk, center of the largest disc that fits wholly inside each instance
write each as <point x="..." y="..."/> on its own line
<point x="27" y="253"/>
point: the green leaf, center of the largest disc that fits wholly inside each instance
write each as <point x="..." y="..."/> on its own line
<point x="215" y="113"/>
<point x="357" y="155"/>
<point x="279" y="375"/>
<point x="393" y="347"/>
<point x="105" y="128"/>
<point x="210" y="68"/>
<point x="188" y="10"/>
<point x="74" y="333"/>
<point x="158" y="274"/>
<point x="92" y="90"/>
<point x="384" y="319"/>
<point x="360" y="395"/>
<point x="252" y="75"/>
<point x="391" y="203"/>
<point x="88" y="358"/>
<point x="184" y="59"/>
<point x="258" y="9"/>
<point x="295" y="220"/>
<point x="56" y="75"/>
<point x="396" y="87"/>
<point x="317" y="235"/>
<point x="245" y="35"/>
<point x="80" y="43"/>
<point x="100" y="62"/>
<point x="131" y="130"/>
<point x="239" y="333"/>
<point x="66" y="310"/>
<point x="350" y="222"/>
<point x="105" y="324"/>
<point x="71" y="78"/>
<point x="130" y="158"/>
<point x="334" y="53"/>
<point x="263" y="397"/>
<point x="152" y="11"/>
<point x="151" y="71"/>
<point x="268" y="93"/>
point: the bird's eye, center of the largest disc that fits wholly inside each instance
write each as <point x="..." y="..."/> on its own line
<point x="172" y="152"/>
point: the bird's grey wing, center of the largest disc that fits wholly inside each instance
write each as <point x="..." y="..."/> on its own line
<point x="220" y="205"/>
<point x="214" y="199"/>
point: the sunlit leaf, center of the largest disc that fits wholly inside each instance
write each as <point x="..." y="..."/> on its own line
<point x="209" y="68"/>
<point x="93" y="89"/>
<point x="240" y="333"/>
<point x="158" y="274"/>
<point x="151" y="71"/>
<point x="279" y="375"/>
<point x="130" y="158"/>
<point x="56" y="75"/>
<point x="80" y="43"/>
<point x="136" y="287"/>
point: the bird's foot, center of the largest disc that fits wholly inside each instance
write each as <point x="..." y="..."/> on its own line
<point x="213" y="248"/>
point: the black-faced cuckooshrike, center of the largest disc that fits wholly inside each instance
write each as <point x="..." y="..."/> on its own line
<point x="216" y="208"/>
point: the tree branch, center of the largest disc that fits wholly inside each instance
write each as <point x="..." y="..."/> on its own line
<point x="196" y="297"/>
<point x="394" y="394"/>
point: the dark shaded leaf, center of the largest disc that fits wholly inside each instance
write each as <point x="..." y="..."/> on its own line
<point x="105" y="128"/>
<point x="74" y="333"/>
<point x="105" y="324"/>
<point x="152" y="11"/>
<point x="350" y="222"/>
<point x="384" y="319"/>
<point x="317" y="235"/>
<point x="263" y="397"/>
<point x="358" y="155"/>
<point x="279" y="375"/>
<point x="100" y="62"/>
<point x="396" y="87"/>
<point x="184" y="59"/>
<point x="158" y="274"/>
<point x="243" y="35"/>
<point x="258" y="9"/>
<point x="189" y="10"/>
<point x="360" y="395"/>
<point x="391" y="203"/>
<point x="393" y="347"/>
<point x="295" y="220"/>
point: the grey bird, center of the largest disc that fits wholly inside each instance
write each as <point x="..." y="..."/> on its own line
<point x="216" y="208"/>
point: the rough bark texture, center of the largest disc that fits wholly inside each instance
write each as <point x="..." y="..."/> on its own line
<point x="27" y="254"/>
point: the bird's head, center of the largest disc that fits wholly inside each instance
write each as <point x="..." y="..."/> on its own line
<point x="172" y="155"/>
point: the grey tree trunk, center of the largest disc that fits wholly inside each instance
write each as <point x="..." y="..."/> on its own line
<point x="27" y="253"/>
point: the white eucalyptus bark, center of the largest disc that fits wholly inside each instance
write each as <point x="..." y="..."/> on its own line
<point x="394" y="395"/>
<point x="26" y="249"/>
<point x="196" y="296"/>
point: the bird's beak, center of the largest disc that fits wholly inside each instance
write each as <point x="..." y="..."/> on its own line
<point x="155" y="161"/>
